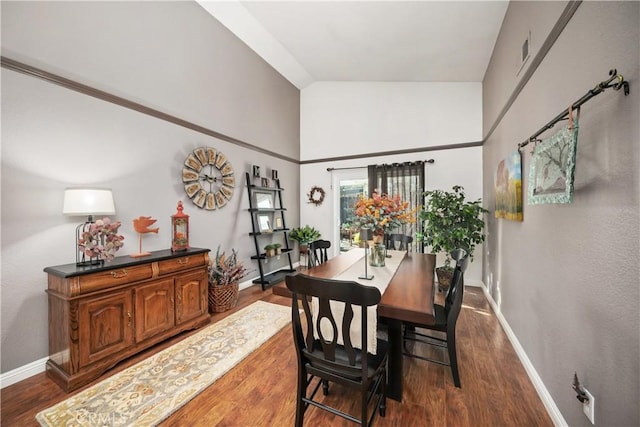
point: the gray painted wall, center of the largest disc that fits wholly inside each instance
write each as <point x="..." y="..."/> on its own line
<point x="566" y="279"/>
<point x="171" y="56"/>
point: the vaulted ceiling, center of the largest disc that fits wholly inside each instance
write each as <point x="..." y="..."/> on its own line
<point x="408" y="41"/>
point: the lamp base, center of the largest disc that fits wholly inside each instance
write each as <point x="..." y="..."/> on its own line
<point x="366" y="277"/>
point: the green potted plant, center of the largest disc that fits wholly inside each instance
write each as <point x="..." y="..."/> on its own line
<point x="270" y="250"/>
<point x="278" y="248"/>
<point x="451" y="222"/>
<point x="304" y="236"/>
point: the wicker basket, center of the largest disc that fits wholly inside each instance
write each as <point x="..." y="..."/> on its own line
<point x="223" y="298"/>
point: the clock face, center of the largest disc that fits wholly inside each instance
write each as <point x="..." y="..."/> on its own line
<point x="208" y="178"/>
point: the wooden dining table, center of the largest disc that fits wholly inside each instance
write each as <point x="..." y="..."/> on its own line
<point x="408" y="297"/>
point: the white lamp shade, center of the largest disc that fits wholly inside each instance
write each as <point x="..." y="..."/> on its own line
<point x="88" y="201"/>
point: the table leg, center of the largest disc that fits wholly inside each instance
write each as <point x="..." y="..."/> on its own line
<point x="394" y="374"/>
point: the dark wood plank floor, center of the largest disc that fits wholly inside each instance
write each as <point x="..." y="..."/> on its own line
<point x="260" y="391"/>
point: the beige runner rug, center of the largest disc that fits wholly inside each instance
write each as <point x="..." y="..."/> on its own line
<point x="150" y="391"/>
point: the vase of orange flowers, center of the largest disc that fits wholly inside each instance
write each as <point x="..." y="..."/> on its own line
<point x="382" y="213"/>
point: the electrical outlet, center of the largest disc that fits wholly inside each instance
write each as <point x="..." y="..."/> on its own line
<point x="588" y="406"/>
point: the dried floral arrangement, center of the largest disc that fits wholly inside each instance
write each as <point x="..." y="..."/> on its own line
<point x="225" y="270"/>
<point x="101" y="240"/>
<point x="382" y="213"/>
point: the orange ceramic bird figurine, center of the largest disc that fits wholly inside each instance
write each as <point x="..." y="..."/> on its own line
<point x="142" y="226"/>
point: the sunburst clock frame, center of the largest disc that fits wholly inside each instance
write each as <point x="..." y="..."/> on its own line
<point x="208" y="178"/>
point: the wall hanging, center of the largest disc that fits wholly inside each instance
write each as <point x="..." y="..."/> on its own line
<point x="316" y="195"/>
<point x="553" y="164"/>
<point x="208" y="178"/>
<point x="508" y="187"/>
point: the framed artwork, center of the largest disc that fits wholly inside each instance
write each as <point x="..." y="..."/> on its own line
<point x="256" y="171"/>
<point x="508" y="188"/>
<point x="278" y="223"/>
<point x="552" y="167"/>
<point x="264" y="222"/>
<point x="265" y="182"/>
<point x="274" y="174"/>
<point x="264" y="200"/>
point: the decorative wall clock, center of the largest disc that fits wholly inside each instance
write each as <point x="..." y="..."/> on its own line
<point x="208" y="178"/>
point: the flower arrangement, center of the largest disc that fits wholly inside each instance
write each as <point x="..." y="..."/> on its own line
<point x="101" y="239"/>
<point x="225" y="270"/>
<point x="383" y="213"/>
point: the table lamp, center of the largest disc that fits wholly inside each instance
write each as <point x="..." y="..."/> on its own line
<point x="366" y="234"/>
<point x="89" y="202"/>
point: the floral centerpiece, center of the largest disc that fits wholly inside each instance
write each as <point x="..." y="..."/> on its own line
<point x="382" y="213"/>
<point x="225" y="273"/>
<point x="101" y="239"/>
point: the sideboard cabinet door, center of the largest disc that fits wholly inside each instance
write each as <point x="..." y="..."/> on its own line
<point x="154" y="308"/>
<point x="191" y="296"/>
<point x="105" y="326"/>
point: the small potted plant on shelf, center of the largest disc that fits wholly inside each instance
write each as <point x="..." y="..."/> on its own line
<point x="278" y="248"/>
<point x="225" y="273"/>
<point x="270" y="250"/>
<point x="451" y="222"/>
<point x="304" y="236"/>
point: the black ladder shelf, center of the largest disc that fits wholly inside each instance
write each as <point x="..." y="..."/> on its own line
<point x="268" y="220"/>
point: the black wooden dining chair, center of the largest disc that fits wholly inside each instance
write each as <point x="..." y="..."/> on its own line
<point x="399" y="242"/>
<point x="328" y="361"/>
<point x="446" y="318"/>
<point x="318" y="252"/>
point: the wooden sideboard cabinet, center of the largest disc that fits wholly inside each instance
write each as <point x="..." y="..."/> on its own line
<point x="102" y="314"/>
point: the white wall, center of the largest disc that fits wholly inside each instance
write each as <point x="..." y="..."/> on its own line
<point x="167" y="55"/>
<point x="347" y="118"/>
<point x="342" y="118"/>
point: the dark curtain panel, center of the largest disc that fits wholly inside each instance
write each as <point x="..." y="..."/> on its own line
<point x="404" y="179"/>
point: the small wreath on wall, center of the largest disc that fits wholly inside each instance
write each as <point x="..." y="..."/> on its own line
<point x="316" y="195"/>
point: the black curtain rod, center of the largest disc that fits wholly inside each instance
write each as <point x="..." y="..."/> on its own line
<point x="431" y="161"/>
<point x="600" y="87"/>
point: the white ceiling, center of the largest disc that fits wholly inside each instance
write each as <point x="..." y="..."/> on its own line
<point x="307" y="41"/>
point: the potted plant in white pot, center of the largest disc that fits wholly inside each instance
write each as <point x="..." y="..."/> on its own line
<point x="451" y="222"/>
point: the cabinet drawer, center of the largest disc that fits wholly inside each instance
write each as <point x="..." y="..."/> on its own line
<point x="182" y="263"/>
<point x="117" y="276"/>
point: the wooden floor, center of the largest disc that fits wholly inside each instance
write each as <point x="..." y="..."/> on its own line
<point x="260" y="391"/>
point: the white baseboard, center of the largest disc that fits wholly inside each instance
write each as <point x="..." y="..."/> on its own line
<point x="547" y="400"/>
<point x="23" y="372"/>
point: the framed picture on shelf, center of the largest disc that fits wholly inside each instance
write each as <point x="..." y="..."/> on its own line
<point x="264" y="222"/>
<point x="264" y="200"/>
<point x="277" y="223"/>
<point x="264" y="182"/>
<point x="274" y="174"/>
<point x="256" y="171"/>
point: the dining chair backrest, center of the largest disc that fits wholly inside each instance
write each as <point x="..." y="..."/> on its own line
<point x="399" y="242"/>
<point x="453" y="299"/>
<point x="321" y="351"/>
<point x="318" y="251"/>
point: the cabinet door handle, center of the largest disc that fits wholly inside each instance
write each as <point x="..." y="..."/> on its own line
<point x="119" y="274"/>
<point x="129" y="316"/>
<point x="183" y="261"/>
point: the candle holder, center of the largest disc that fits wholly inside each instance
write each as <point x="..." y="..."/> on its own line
<point x="365" y="235"/>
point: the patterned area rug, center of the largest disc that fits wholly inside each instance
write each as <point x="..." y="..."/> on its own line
<point x="150" y="391"/>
